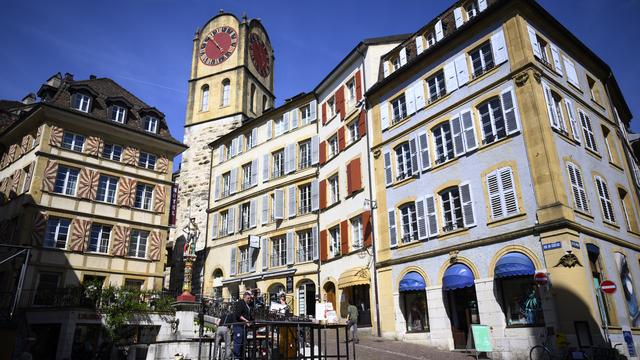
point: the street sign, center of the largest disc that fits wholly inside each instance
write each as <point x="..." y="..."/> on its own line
<point x="541" y="278"/>
<point x="608" y="287"/>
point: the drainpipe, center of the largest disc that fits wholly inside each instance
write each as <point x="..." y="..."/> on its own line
<point x="206" y="232"/>
<point x="373" y="238"/>
<point x="319" y="292"/>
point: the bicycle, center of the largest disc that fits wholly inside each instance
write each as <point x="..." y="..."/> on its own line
<point x="606" y="352"/>
<point x="545" y="351"/>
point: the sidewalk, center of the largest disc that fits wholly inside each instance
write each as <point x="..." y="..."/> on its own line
<point x="374" y="348"/>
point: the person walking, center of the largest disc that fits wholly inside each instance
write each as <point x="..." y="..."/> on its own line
<point x="243" y="318"/>
<point x="352" y="321"/>
<point x="223" y="332"/>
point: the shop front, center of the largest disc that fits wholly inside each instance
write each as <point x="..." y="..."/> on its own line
<point x="356" y="288"/>
<point x="458" y="283"/>
<point x="413" y="302"/>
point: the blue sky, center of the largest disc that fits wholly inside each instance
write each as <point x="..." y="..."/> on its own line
<point x="145" y="45"/>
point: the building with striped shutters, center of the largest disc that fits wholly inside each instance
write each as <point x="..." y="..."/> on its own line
<point x="85" y="179"/>
<point x="263" y="222"/>
<point x="500" y="150"/>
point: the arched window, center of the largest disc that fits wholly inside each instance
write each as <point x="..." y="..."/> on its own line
<point x="226" y="89"/>
<point x="205" y="98"/>
<point x="217" y="284"/>
<point x="252" y="100"/>
<point x="413" y="302"/>
<point x="520" y="296"/>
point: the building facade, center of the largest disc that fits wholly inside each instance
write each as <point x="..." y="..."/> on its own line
<point x="500" y="151"/>
<point x="85" y="178"/>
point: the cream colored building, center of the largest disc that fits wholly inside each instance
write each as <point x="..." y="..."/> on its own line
<point x="85" y="178"/>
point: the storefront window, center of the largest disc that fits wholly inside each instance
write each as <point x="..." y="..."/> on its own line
<point x="415" y="310"/>
<point x="521" y="301"/>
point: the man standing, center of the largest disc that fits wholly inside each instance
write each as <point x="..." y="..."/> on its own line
<point x="223" y="331"/>
<point x="243" y="318"/>
<point x="352" y="321"/>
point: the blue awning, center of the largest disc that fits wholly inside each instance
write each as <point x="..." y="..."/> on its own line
<point x="514" y="264"/>
<point x="457" y="276"/>
<point x="412" y="281"/>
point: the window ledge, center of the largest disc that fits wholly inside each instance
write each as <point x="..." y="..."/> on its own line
<point x="436" y="101"/>
<point x="484" y="75"/>
<point x="564" y="135"/>
<point x="610" y="225"/>
<point x="593" y="153"/>
<point x="575" y="87"/>
<point x="598" y="104"/>
<point x="583" y="215"/>
<point x="507" y="220"/>
<point x="616" y="166"/>
<point x="354" y="193"/>
<point x="525" y="326"/>
<point x="332" y="205"/>
<point x="405" y="181"/>
<point x="452" y="233"/>
<point x="399" y="122"/>
<point x="408" y="245"/>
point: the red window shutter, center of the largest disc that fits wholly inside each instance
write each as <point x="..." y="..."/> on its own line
<point x="349" y="176"/>
<point x="355" y="174"/>
<point x="362" y="123"/>
<point x="323" y="152"/>
<point x="341" y="142"/>
<point x="340" y="102"/>
<point x="366" y="228"/>
<point x="323" y="194"/>
<point x="324" y="113"/>
<point x="358" y="86"/>
<point x="323" y="245"/>
<point x="344" y="237"/>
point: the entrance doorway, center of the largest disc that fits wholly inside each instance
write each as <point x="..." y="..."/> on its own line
<point x="330" y="290"/>
<point x="307" y="299"/>
<point x="359" y="294"/>
<point x="463" y="311"/>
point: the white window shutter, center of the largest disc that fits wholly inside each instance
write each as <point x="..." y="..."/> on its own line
<point x="292" y="157"/>
<point x="234" y="264"/>
<point x="290" y="247"/>
<point x="265" y="209"/>
<point x="510" y="110"/>
<point x="291" y="204"/>
<point x="495" y="198"/>
<point x="313" y="106"/>
<point x="233" y="182"/>
<point x="482" y="5"/>
<point x="457" y="14"/>
<point x="456" y="132"/>
<point x="462" y="71"/>
<point x="450" y="77"/>
<point x="411" y="100"/>
<point x="432" y="217"/>
<point x="269" y="126"/>
<point x="555" y="54"/>
<point x="216" y="194"/>
<point x="388" y="174"/>
<point x="575" y="128"/>
<point x="386" y="68"/>
<point x="570" y="68"/>
<point x="278" y="211"/>
<point x="403" y="56"/>
<point x="265" y="252"/>
<point x="468" y="129"/>
<point x="253" y="211"/>
<point x="439" y="32"/>
<point x="423" y="144"/>
<point x="232" y="148"/>
<point x="413" y="149"/>
<point x="537" y="52"/>
<point x="315" y="150"/>
<point x="393" y="240"/>
<point x="239" y="144"/>
<point x="285" y="121"/>
<point x="315" y="196"/>
<point x="231" y="216"/>
<point x="499" y="47"/>
<point x="422" y="224"/>
<point x="555" y="122"/>
<point x="384" y="115"/>
<point x="294" y="118"/>
<point x="287" y="160"/>
<point x="214" y="227"/>
<point x="265" y="168"/>
<point x="419" y="44"/>
<point x="252" y="263"/>
<point x="507" y="185"/>
<point x="254" y="172"/>
<point x="315" y="242"/>
<point x="418" y="92"/>
<point x="221" y="153"/>
<point x="467" y="205"/>
<point x="254" y="135"/>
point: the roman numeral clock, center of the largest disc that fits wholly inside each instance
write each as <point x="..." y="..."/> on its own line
<point x="218" y="45"/>
<point x="259" y="54"/>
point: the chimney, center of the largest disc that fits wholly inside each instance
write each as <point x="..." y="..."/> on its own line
<point x="92" y="77"/>
<point x="68" y="77"/>
<point x="29" y="99"/>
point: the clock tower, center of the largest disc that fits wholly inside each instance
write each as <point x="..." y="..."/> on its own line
<point x="231" y="80"/>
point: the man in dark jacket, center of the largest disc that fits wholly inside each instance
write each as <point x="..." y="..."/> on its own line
<point x="243" y="317"/>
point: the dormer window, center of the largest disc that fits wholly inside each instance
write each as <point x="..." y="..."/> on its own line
<point x="150" y="124"/>
<point x="81" y="102"/>
<point x="395" y="62"/>
<point x="118" y="114"/>
<point x="471" y="10"/>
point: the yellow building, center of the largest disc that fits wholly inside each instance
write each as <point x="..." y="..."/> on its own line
<point x="500" y="150"/>
<point x="85" y="178"/>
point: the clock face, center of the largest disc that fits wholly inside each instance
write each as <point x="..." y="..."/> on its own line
<point x="218" y="45"/>
<point x="259" y="54"/>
